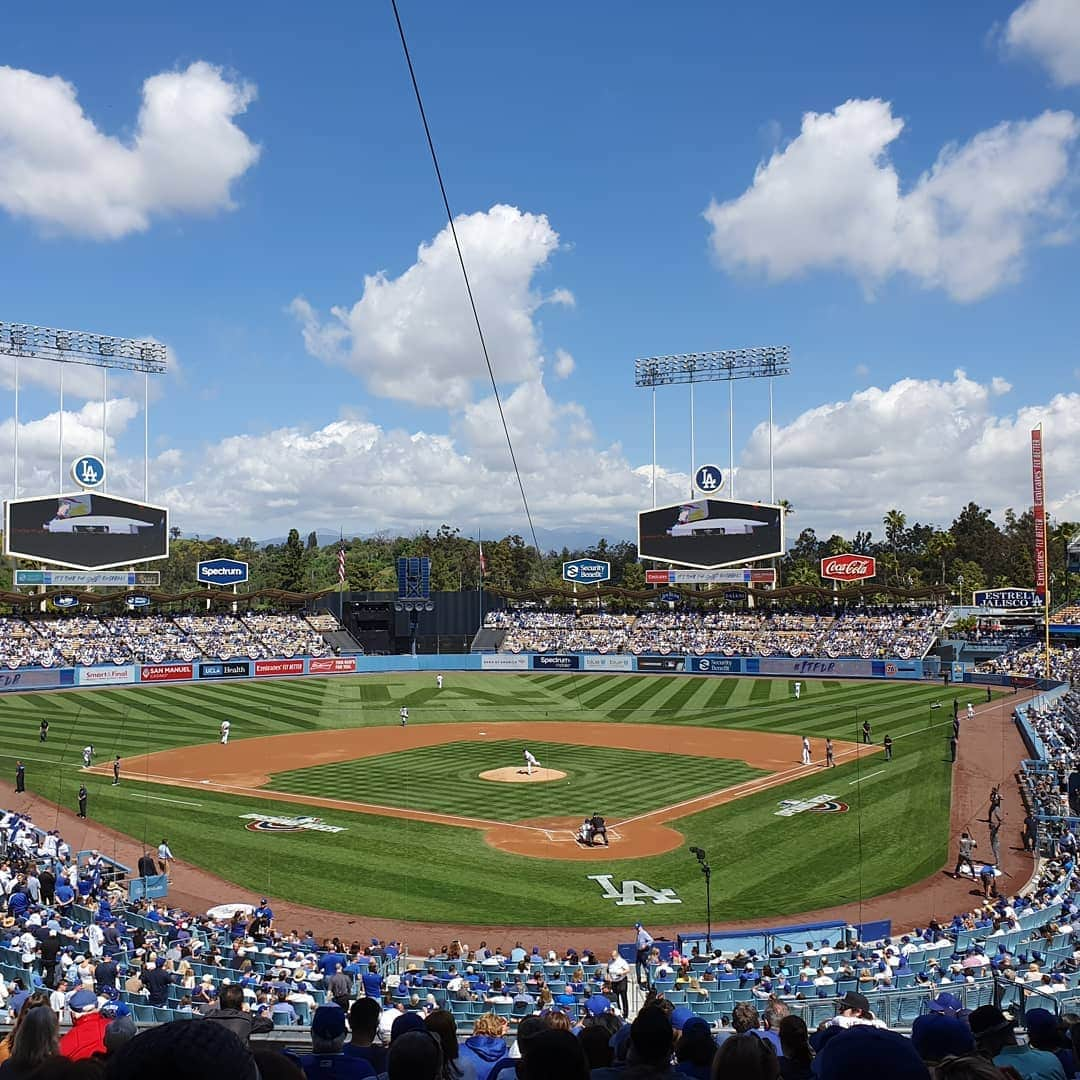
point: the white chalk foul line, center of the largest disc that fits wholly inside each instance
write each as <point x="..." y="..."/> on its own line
<point x="867" y="777"/>
<point x="180" y="802"/>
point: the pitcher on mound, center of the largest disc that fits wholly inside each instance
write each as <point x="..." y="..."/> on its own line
<point x="530" y="761"/>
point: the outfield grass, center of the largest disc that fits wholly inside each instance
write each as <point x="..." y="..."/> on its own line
<point x="764" y="866"/>
<point x="446" y="779"/>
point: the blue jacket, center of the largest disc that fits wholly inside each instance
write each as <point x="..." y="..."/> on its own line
<point x="483" y="1051"/>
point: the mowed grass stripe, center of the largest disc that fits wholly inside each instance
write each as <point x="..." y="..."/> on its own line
<point x="446" y="779"/>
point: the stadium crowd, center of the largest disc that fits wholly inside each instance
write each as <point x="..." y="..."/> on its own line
<point x="1030" y="661"/>
<point x="869" y="633"/>
<point x="74" y="953"/>
<point x="155" y="638"/>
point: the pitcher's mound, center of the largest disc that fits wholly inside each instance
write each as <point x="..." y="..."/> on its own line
<point x="514" y="775"/>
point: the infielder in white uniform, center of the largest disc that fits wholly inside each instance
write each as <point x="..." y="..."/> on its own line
<point x="805" y="751"/>
<point x="970" y="711"/>
<point x="404" y="714"/>
<point x="87" y="755"/>
<point x="225" y="726"/>
<point x="798" y="690"/>
<point x="530" y="761"/>
<point x="438" y="682"/>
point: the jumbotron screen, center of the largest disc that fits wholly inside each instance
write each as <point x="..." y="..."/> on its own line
<point x="85" y="531"/>
<point x="709" y="533"/>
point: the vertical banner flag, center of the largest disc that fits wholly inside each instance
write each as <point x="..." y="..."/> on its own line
<point x="483" y="564"/>
<point x="1039" y="510"/>
<point x="341" y="563"/>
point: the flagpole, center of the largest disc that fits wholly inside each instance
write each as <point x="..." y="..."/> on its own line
<point x="341" y="577"/>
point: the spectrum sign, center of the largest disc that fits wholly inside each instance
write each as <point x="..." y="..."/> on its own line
<point x="222" y="572"/>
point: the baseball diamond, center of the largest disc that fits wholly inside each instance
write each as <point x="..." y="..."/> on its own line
<point x="668" y="761"/>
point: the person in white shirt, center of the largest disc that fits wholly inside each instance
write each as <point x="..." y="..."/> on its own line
<point x="226" y="727"/>
<point x="530" y="761"/>
<point x="618" y="970"/>
<point x="970" y="711"/>
<point x="798" y="690"/>
<point x="386" y="1022"/>
<point x="822" y="979"/>
<point x="438" y="682"/>
<point x="95" y="940"/>
<point x="404" y="714"/>
<point x="805" y="751"/>
<point x="87" y="755"/>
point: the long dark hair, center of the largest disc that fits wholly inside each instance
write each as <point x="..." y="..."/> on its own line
<point x="36" y="1041"/>
<point x="795" y="1041"/>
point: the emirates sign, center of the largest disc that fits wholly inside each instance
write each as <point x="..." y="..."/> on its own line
<point x="848" y="567"/>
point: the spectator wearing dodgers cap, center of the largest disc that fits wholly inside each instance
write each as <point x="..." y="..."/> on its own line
<point x="328" y="1059"/>
<point x="87" y="1034"/>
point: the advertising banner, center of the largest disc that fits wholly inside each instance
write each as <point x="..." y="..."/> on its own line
<point x="279" y="667"/>
<point x="83" y="578"/>
<point x="609" y="663"/>
<point x="587" y="571"/>
<point x="848" y="567"/>
<point x="1009" y="599"/>
<point x="710" y="577"/>
<point x="504" y="662"/>
<point x="710" y="533"/>
<point x="660" y="663"/>
<point x="166" y="672"/>
<point x="36" y="679"/>
<point x="331" y="665"/>
<point x="1039" y="507"/>
<point x="105" y="676"/>
<point x="85" y="530"/>
<point x="716" y="665"/>
<point x="543" y="662"/>
<point x="221" y="572"/>
<point x="229" y="669"/>
<point x="784" y="666"/>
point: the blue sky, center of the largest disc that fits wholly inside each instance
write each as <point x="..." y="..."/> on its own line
<point x="926" y="226"/>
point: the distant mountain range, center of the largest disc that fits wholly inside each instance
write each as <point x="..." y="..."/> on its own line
<point x="549" y="539"/>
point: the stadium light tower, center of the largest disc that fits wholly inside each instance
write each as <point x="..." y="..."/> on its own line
<point x="763" y="362"/>
<point x="24" y="341"/>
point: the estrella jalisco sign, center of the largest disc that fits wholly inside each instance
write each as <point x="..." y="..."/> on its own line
<point x="1009" y="598"/>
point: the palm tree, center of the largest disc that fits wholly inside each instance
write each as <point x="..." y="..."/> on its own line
<point x="894" y="522"/>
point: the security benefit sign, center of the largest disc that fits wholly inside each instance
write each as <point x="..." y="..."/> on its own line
<point x="709" y="533"/>
<point x="85" y="531"/>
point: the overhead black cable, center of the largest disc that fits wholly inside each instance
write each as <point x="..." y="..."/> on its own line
<point x="465" y="274"/>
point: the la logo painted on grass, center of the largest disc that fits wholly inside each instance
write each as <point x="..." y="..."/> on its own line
<point x="276" y="823"/>
<point x="629" y="891"/>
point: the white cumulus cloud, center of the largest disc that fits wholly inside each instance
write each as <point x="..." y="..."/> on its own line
<point x="413" y="338"/>
<point x="58" y="169"/>
<point x="832" y="199"/>
<point x="928" y="446"/>
<point x="1048" y="30"/>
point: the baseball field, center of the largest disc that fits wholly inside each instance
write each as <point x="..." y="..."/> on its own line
<point x="421" y="834"/>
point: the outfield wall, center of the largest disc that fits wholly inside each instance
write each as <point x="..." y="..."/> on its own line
<point x="42" y="678"/>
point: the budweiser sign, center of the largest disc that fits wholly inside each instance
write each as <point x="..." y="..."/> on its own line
<point x="848" y="567"/>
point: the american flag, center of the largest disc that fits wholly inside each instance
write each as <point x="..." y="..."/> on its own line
<point x="341" y="564"/>
<point x="483" y="561"/>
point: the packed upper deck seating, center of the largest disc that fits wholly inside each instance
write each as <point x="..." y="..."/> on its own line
<point x="156" y="638"/>
<point x="902" y="632"/>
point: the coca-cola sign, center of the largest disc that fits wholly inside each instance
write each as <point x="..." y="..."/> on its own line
<point x="848" y="567"/>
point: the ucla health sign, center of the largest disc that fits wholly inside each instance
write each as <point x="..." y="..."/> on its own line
<point x="588" y="571"/>
<point x="222" y="572"/>
<point x="1009" y="599"/>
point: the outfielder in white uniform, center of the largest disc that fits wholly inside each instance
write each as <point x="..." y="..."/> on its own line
<point x="438" y="682"/>
<point x="87" y="755"/>
<point x="805" y="751"/>
<point x="225" y="726"/>
<point x="404" y="714"/>
<point x="530" y="761"/>
<point x="798" y="690"/>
